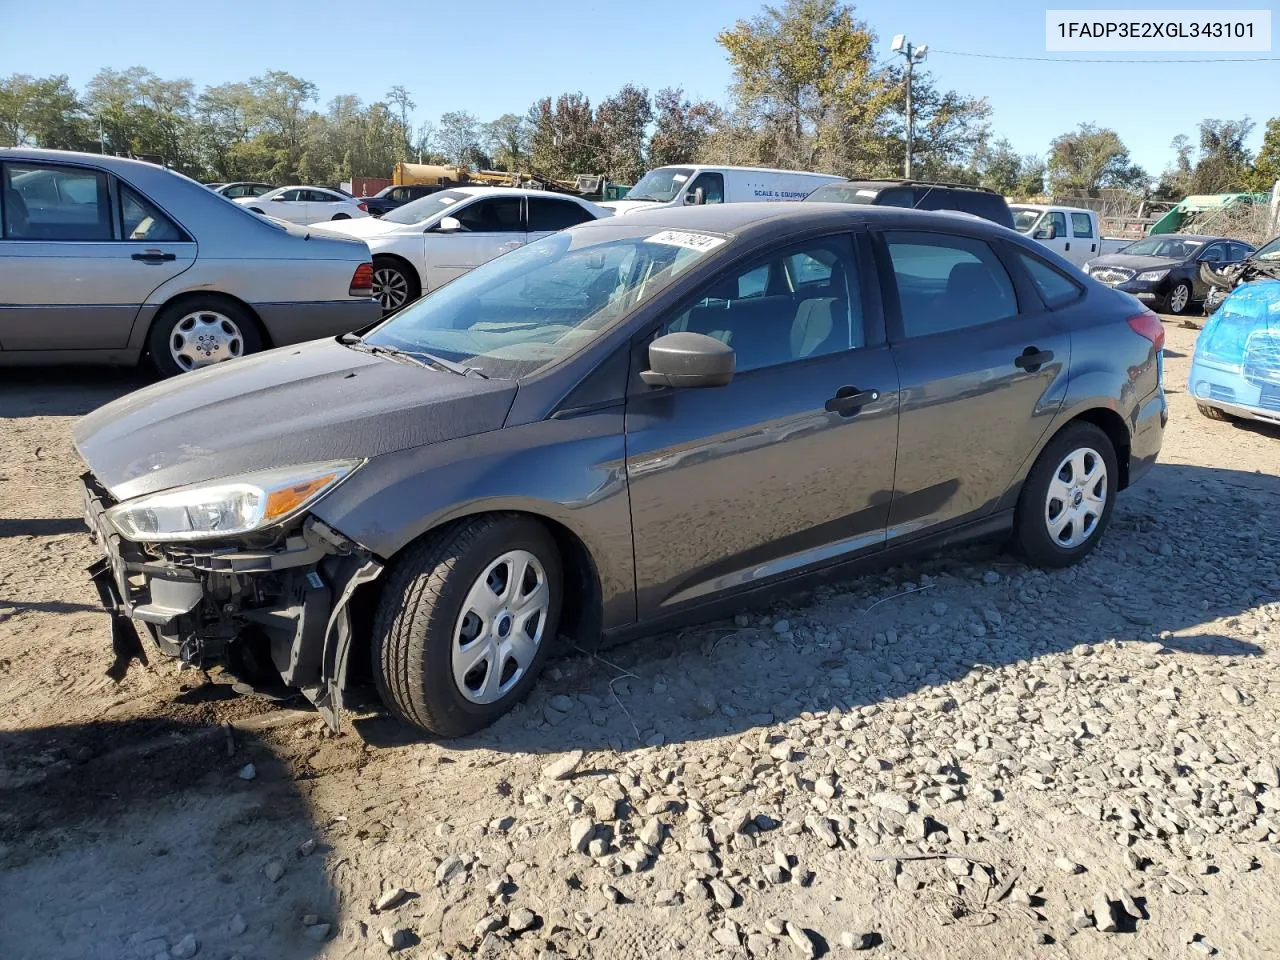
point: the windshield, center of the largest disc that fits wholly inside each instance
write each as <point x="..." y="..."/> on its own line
<point x="538" y="305"/>
<point x="424" y="208"/>
<point x="1268" y="251"/>
<point x="1024" y="218"/>
<point x="842" y="193"/>
<point x="1171" y="248"/>
<point x="660" y="185"/>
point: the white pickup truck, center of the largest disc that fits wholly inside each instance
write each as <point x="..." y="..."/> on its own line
<point x="1072" y="232"/>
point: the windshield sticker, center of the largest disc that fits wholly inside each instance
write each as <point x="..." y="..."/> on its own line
<point x="690" y="241"/>
<point x="679" y="177"/>
<point x="866" y="193"/>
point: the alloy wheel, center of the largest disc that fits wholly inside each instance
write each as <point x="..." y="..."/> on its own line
<point x="391" y="287"/>
<point x="205" y="337"/>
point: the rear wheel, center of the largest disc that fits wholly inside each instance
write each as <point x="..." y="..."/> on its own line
<point x="1067" y="499"/>
<point x="394" y="284"/>
<point x="1179" y="299"/>
<point x="1213" y="413"/>
<point x="341" y="216"/>
<point x="464" y="623"/>
<point x="199" y="333"/>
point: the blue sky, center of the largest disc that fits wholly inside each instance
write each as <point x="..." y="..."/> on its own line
<point x="500" y="56"/>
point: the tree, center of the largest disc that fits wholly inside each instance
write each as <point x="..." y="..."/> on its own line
<point x="1266" y="166"/>
<point x="564" y="139"/>
<point x="507" y="142"/>
<point x="1224" y="164"/>
<point x="1091" y="157"/>
<point x="42" y="112"/>
<point x="459" y="137"/>
<point x="681" y="128"/>
<point x="399" y="98"/>
<point x="621" y="122"/>
<point x="1002" y="169"/>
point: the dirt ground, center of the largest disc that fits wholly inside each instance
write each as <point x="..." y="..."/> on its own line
<point x="960" y="757"/>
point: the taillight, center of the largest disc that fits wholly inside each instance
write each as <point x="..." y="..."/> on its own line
<point x="363" y="206"/>
<point x="1148" y="325"/>
<point x="362" y="281"/>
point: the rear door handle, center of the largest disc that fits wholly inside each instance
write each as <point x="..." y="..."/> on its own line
<point x="849" y="400"/>
<point x="1032" y="359"/>
<point x="155" y="256"/>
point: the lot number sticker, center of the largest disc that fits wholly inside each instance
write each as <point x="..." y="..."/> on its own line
<point x="702" y="242"/>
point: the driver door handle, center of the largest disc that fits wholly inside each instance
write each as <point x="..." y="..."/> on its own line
<point x="849" y="400"/>
<point x="1032" y="359"/>
<point x="155" y="256"/>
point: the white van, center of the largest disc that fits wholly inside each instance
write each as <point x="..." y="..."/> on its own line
<point x="690" y="184"/>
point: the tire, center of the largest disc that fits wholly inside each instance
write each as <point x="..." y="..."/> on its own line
<point x="199" y="332"/>
<point x="427" y="613"/>
<point x="257" y="210"/>
<point x="1075" y="450"/>
<point x="1213" y="413"/>
<point x="394" y="284"/>
<point x="341" y="216"/>
<point x="1178" y="301"/>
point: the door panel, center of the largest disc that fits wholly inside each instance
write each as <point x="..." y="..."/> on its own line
<point x="973" y="408"/>
<point x="490" y="227"/>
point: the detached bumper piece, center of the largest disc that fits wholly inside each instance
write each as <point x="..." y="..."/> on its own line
<point x="270" y="604"/>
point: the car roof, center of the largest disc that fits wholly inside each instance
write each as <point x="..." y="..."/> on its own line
<point x="118" y="165"/>
<point x="729" y="166"/>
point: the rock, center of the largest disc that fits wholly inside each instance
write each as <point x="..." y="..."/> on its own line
<point x="562" y="703"/>
<point x="449" y="869"/>
<point x="605" y="808"/>
<point x="317" y="932"/>
<point x="651" y="833"/>
<point x="306" y="848"/>
<point x="801" y="940"/>
<point x="391" y="899"/>
<point x="238" y="925"/>
<point x="1128" y="905"/>
<point x="248" y="772"/>
<point x="598" y="847"/>
<point x="822" y="829"/>
<point x="395" y="938"/>
<point x="723" y="893"/>
<point x="727" y="935"/>
<point x="758" y="944"/>
<point x="891" y="801"/>
<point x="580" y="833"/>
<point x="990" y="578"/>
<point x="825" y="788"/>
<point x="1067" y="865"/>
<point x="612" y="893"/>
<point x="185" y="948"/>
<point x="1231" y="695"/>
<point x="781" y="626"/>
<point x="775" y="874"/>
<point x="666" y="897"/>
<point x="489" y="924"/>
<point x="860" y="940"/>
<point x="563" y="766"/>
<point x="274" y="870"/>
<point x="775" y="926"/>
<point x="521" y="919"/>
<point x="1201" y="946"/>
<point x="1104" y="913"/>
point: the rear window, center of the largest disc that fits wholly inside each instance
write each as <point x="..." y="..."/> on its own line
<point x="1055" y="287"/>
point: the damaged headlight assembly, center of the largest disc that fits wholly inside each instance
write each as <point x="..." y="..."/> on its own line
<point x="229" y="507"/>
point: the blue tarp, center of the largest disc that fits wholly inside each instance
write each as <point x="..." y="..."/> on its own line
<point x="1245" y="332"/>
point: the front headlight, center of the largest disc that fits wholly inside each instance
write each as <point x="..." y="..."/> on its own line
<point x="1151" y="276"/>
<point x="228" y="507"/>
<point x="1088" y="267"/>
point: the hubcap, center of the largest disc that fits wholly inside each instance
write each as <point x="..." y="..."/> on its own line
<point x="205" y="337"/>
<point x="1178" y="300"/>
<point x="500" y="627"/>
<point x="390" y="287"/>
<point x="1077" y="497"/>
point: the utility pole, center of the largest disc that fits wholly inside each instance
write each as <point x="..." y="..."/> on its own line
<point x="913" y="55"/>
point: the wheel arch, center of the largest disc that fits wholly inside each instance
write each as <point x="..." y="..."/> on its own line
<point x="1117" y="431"/>
<point x="142" y="331"/>
<point x="405" y="264"/>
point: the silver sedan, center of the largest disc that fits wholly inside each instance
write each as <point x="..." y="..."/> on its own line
<point x="107" y="260"/>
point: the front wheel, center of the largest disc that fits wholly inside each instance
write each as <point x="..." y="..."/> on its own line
<point x="1213" y="413"/>
<point x="1067" y="499"/>
<point x="465" y="621"/>
<point x="1179" y="298"/>
<point x="201" y="332"/>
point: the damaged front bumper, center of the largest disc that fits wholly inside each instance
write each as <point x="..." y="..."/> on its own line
<point x="285" y="594"/>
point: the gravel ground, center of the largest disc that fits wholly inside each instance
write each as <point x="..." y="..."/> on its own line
<point x="960" y="757"/>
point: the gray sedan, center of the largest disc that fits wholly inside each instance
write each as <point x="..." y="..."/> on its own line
<point x="636" y="422"/>
<point x="107" y="260"/>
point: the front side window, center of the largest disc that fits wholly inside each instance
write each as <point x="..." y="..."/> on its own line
<point x="55" y="203"/>
<point x="143" y="221"/>
<point x="1215" y="253"/>
<point x="547" y="214"/>
<point x="770" y="320"/>
<point x="491" y="215"/>
<point x="1082" y="225"/>
<point x="519" y="313"/>
<point x="948" y="282"/>
<point x="1059" y="221"/>
<point x="711" y="185"/>
<point x="291" y="196"/>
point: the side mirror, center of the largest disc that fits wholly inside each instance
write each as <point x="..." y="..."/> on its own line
<point x="689" y="360"/>
<point x="449" y="225"/>
<point x="696" y="198"/>
<point x="1047" y="232"/>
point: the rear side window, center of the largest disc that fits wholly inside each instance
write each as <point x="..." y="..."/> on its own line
<point x="143" y="220"/>
<point x="897" y="197"/>
<point x="1240" y="251"/>
<point x="1082" y="225"/>
<point x="545" y="214"/>
<point x="948" y="282"/>
<point x="43" y="202"/>
<point x="1056" y="288"/>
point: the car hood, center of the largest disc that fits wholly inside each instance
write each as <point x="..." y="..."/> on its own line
<point x="361" y="228"/>
<point x="620" y="207"/>
<point x="302" y="404"/>
<point x="1134" y="262"/>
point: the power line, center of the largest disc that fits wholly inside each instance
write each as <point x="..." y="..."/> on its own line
<point x="998" y="56"/>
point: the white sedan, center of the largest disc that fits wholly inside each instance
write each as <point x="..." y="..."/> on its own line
<point x="428" y="242"/>
<point x="305" y="205"/>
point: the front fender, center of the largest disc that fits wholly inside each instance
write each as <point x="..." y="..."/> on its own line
<point x="571" y="471"/>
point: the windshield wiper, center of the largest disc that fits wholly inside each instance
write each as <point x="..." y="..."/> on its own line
<point x="441" y="363"/>
<point x="420" y="357"/>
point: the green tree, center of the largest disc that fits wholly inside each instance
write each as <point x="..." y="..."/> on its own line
<point x="399" y="98"/>
<point x="681" y="128"/>
<point x="43" y="112"/>
<point x="1089" y="158"/>
<point x="1266" y="165"/>
<point x="507" y="142"/>
<point x="621" y="122"/>
<point x="1225" y="163"/>
<point x="458" y="137"/>
<point x="564" y="139"/>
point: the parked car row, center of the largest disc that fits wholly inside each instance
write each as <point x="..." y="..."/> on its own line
<point x="305" y="205"/>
